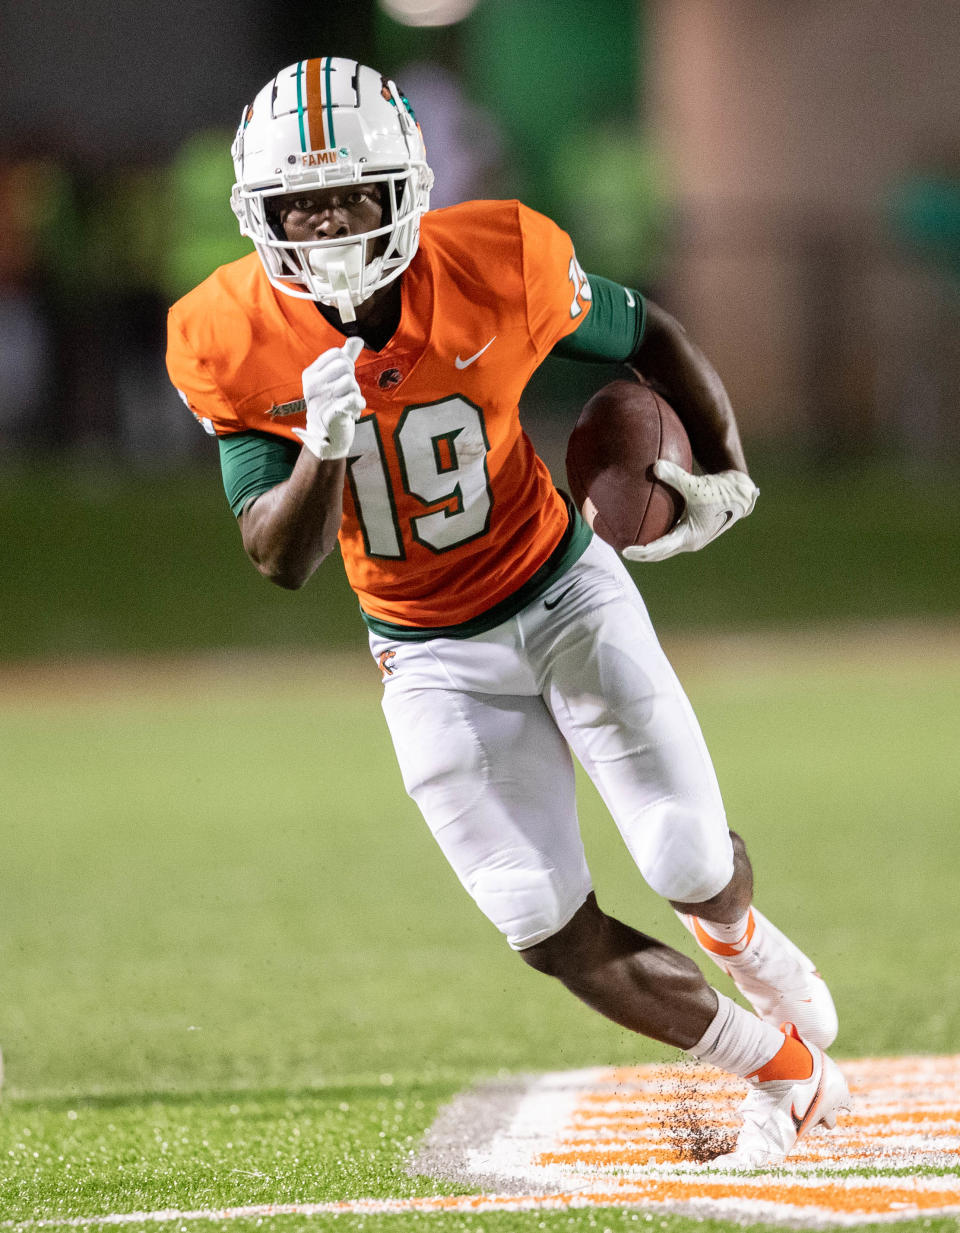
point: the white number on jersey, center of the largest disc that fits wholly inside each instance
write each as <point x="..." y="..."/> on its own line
<point x="442" y="450"/>
<point x="581" y="287"/>
<point x="370" y="485"/>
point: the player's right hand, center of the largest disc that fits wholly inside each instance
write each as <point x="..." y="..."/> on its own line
<point x="712" y="503"/>
<point x="334" y="401"/>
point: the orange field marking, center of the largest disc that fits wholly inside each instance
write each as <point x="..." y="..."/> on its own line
<point x="646" y="1135"/>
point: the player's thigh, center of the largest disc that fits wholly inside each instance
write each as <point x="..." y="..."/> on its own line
<point x="618" y="702"/>
<point x="494" y="780"/>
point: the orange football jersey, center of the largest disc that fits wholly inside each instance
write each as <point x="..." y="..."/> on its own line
<point x="447" y="508"/>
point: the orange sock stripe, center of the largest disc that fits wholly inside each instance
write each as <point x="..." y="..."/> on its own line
<point x="793" y="1060"/>
<point x="723" y="948"/>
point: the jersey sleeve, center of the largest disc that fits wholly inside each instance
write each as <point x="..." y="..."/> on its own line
<point x="614" y="328"/>
<point x="558" y="295"/>
<point x="195" y="383"/>
<point x="252" y="463"/>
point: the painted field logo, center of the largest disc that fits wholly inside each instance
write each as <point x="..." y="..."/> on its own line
<point x="644" y="1137"/>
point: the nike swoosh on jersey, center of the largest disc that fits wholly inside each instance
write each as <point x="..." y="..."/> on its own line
<point x="630" y="300"/>
<point x="466" y="363"/>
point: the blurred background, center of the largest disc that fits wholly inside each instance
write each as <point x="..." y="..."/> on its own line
<point x="785" y="178"/>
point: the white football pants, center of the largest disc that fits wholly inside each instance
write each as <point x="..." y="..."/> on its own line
<point x="483" y="729"/>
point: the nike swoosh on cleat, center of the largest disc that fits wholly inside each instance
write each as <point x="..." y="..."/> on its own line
<point x="800" y="1123"/>
<point x="552" y="603"/>
<point x="466" y="363"/>
<point x="725" y="517"/>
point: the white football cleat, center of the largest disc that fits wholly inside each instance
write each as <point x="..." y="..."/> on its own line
<point x="776" y="978"/>
<point x="777" y="1113"/>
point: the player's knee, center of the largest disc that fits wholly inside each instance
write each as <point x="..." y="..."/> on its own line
<point x="687" y="855"/>
<point x="527" y="905"/>
<point x="733" y="899"/>
<point x="742" y="868"/>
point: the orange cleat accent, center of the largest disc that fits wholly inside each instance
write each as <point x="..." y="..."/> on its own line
<point x="792" y="1061"/>
<point x="716" y="947"/>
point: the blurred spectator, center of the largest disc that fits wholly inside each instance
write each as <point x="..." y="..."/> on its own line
<point x="201" y="231"/>
<point x="920" y="376"/>
<point x="464" y="143"/>
<point x="90" y="258"/>
<point x="924" y="209"/>
<point x="611" y="193"/>
<point x="29" y="188"/>
<point x="127" y="232"/>
<point x="53" y="270"/>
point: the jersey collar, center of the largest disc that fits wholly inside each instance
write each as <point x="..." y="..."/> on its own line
<point x="408" y="344"/>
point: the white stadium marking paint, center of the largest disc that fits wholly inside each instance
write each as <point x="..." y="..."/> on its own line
<point x="643" y="1136"/>
<point x="637" y="1137"/>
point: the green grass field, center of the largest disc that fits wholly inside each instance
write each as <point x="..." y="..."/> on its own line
<point x="234" y="970"/>
<point x="102" y="560"/>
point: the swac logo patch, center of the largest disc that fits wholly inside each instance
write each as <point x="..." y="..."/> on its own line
<point x="389" y="376"/>
<point x="287" y="408"/>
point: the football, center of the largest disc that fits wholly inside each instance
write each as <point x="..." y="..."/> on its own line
<point x="621" y="432"/>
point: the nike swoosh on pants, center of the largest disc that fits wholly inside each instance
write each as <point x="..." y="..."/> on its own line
<point x="552" y="603"/>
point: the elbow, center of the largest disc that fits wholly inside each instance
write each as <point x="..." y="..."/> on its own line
<point x="287" y="580"/>
<point x="286" y="559"/>
<point x="289" y="573"/>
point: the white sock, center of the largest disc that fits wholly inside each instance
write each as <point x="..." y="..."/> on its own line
<point x="724" y="943"/>
<point x="737" y="1041"/>
<point x="733" y="934"/>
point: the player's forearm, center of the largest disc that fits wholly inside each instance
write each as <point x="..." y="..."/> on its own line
<point x="668" y="360"/>
<point x="289" y="530"/>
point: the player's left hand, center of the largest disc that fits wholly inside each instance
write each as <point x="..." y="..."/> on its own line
<point x="712" y="504"/>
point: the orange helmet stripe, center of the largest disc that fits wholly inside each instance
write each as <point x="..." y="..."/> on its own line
<point x="319" y="116"/>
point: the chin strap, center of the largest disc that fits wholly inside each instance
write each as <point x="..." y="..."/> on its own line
<point x="340" y="286"/>
<point x="331" y="266"/>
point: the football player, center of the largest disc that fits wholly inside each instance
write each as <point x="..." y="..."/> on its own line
<point x="361" y="371"/>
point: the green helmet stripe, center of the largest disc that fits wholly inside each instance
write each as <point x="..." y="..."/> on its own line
<point x="331" y="140"/>
<point x="303" y="135"/>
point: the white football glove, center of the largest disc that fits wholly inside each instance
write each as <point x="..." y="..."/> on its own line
<point x="712" y="504"/>
<point x="334" y="402"/>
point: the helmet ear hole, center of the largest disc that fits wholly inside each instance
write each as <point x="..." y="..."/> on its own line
<point x="271" y="216"/>
<point x="388" y="213"/>
<point x="278" y="261"/>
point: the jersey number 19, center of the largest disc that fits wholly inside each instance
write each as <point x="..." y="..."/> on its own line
<point x="442" y="451"/>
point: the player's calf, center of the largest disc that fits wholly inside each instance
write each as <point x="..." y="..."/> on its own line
<point x="627" y="976"/>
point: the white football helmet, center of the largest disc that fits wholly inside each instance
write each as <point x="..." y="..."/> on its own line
<point x="320" y="123"/>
